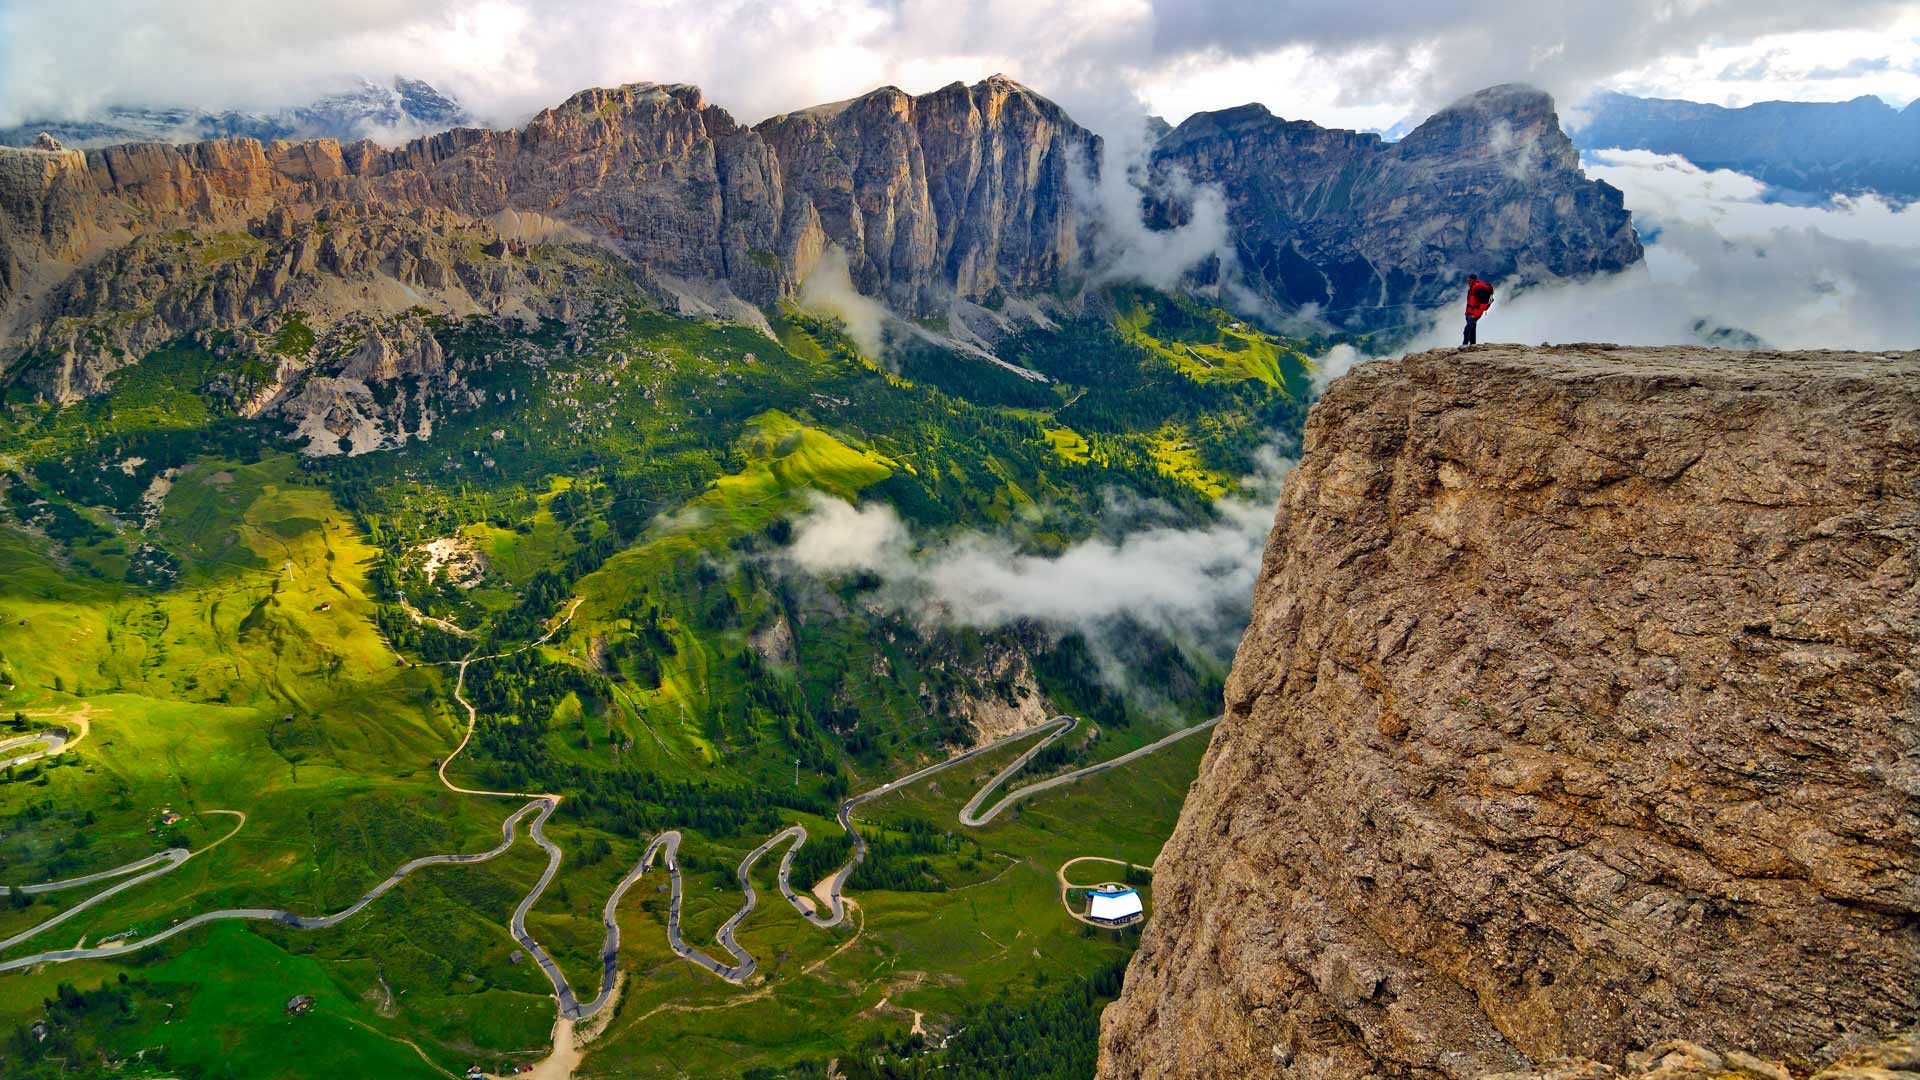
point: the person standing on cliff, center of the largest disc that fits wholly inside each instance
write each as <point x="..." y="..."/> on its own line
<point x="1479" y="299"/>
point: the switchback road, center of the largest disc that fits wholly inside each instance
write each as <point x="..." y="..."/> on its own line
<point x="57" y="740"/>
<point x="540" y="807"/>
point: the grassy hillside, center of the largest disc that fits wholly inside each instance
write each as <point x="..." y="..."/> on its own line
<point x="261" y="644"/>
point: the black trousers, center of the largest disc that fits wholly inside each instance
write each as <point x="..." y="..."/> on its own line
<point x="1472" y="336"/>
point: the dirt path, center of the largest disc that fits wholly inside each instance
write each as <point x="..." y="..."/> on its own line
<point x="565" y="1058"/>
<point x="1060" y="875"/>
<point x="408" y="1043"/>
<point x="424" y="619"/>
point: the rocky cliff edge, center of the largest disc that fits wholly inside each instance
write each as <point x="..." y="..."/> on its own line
<point x="1577" y="716"/>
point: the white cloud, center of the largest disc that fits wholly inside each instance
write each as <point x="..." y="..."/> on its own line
<point x="1828" y="65"/>
<point x="1334" y="363"/>
<point x="840" y="538"/>
<point x="829" y="290"/>
<point x="1722" y="258"/>
<point x="1194" y="584"/>
<point x="1365" y="62"/>
<point x="1125" y="247"/>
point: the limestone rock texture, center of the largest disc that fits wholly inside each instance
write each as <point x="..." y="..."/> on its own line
<point x="960" y="192"/>
<point x="1577" y="714"/>
<point x="328" y="268"/>
<point x="1893" y="1058"/>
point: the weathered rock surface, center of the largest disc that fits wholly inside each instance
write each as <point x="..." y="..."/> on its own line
<point x="383" y="382"/>
<point x="1895" y="1058"/>
<point x="1374" y="232"/>
<point x="1577" y="714"/>
<point x="962" y="191"/>
<point x="164" y="286"/>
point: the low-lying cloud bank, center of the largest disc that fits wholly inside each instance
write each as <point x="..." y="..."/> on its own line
<point x="1194" y="584"/>
<point x="1113" y="206"/>
<point x="829" y="289"/>
<point x="1725" y="266"/>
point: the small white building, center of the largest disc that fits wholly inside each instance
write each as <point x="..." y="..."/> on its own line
<point x="1115" y="907"/>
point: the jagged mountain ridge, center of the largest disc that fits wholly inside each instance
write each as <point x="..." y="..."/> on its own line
<point x="1371" y="233"/>
<point x="1821" y="147"/>
<point x="402" y="107"/>
<point x="697" y="202"/>
<point x="965" y="193"/>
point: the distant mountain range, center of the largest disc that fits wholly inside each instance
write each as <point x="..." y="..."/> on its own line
<point x="965" y="195"/>
<point x="1823" y="148"/>
<point x="395" y="111"/>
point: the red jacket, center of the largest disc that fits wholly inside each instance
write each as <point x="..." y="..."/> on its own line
<point x="1479" y="297"/>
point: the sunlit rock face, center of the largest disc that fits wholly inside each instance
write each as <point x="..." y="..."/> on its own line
<point x="1576" y="715"/>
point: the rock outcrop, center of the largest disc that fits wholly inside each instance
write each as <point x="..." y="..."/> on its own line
<point x="962" y="191"/>
<point x="1577" y="714"/>
<point x="1374" y="233"/>
<point x="339" y="263"/>
<point x="1895" y="1058"/>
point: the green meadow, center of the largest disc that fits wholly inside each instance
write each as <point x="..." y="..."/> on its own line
<point x="263" y="657"/>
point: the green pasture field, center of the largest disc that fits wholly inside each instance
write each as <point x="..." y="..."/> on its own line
<point x="228" y="619"/>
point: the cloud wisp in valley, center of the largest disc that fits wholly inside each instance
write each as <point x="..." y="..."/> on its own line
<point x="1191" y="583"/>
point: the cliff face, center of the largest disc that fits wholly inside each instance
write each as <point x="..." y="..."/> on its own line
<point x="1577" y="713"/>
<point x="964" y="190"/>
<point x="1375" y="232"/>
<point x="961" y="191"/>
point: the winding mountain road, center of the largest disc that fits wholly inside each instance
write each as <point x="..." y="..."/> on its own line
<point x="743" y="964"/>
<point x="829" y="893"/>
<point x="58" y="740"/>
<point x="176" y="856"/>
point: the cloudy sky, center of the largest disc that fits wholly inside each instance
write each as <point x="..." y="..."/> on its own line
<point x="1362" y="63"/>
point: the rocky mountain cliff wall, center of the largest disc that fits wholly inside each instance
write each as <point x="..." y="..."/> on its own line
<point x="964" y="190"/>
<point x="959" y="192"/>
<point x="963" y="193"/>
<point x="1577" y="714"/>
<point x="1374" y="233"/>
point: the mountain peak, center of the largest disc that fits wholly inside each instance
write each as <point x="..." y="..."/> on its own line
<point x="1302" y="197"/>
<point x="398" y="108"/>
<point x="1240" y="119"/>
<point x="1007" y="89"/>
<point x="1511" y="100"/>
<point x="1511" y="122"/>
<point x="1008" y="84"/>
<point x="599" y="97"/>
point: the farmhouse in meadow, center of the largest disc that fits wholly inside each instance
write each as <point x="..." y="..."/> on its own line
<point x="1112" y="906"/>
